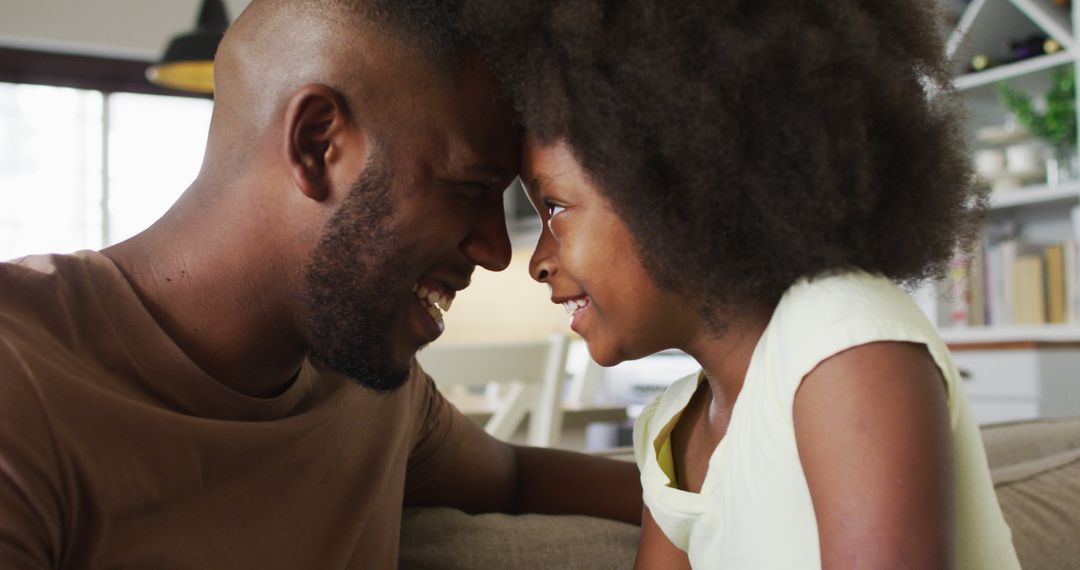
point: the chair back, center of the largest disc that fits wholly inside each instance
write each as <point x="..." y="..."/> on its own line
<point x="532" y="372"/>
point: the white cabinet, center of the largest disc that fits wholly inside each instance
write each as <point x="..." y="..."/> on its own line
<point x="1021" y="381"/>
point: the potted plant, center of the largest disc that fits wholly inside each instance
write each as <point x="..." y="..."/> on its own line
<point x="1054" y="122"/>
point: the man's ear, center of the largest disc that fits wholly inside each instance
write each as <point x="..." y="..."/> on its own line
<point x="316" y="121"/>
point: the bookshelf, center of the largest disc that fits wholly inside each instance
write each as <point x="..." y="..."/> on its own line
<point x="1032" y="216"/>
<point x="993" y="309"/>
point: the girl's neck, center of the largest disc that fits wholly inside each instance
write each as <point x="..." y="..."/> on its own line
<point x="725" y="357"/>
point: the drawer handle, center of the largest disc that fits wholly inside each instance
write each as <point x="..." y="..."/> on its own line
<point x="965" y="374"/>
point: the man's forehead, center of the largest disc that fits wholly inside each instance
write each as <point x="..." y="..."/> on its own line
<point x="465" y="111"/>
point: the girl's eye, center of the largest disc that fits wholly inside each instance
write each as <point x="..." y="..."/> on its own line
<point x="553" y="208"/>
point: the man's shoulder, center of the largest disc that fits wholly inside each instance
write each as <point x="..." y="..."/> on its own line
<point x="43" y="301"/>
<point x="28" y="283"/>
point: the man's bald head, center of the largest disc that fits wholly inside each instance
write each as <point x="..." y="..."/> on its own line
<point x="351" y="46"/>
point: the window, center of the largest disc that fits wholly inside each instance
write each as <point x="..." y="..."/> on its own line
<point x="155" y="147"/>
<point x="50" y="169"/>
<point x="83" y="168"/>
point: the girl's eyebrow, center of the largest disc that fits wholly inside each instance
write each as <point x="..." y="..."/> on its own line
<point x="538" y="182"/>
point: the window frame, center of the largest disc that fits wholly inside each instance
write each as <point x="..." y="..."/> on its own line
<point x="81" y="71"/>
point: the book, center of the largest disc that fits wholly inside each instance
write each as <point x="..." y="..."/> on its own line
<point x="998" y="283"/>
<point x="1072" y="276"/>
<point x="1029" y="288"/>
<point x="976" y="289"/>
<point x="957" y="294"/>
<point x="1056" y="301"/>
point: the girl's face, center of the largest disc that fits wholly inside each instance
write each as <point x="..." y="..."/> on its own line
<point x="588" y="258"/>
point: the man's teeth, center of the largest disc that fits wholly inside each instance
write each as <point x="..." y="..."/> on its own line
<point x="575" y="304"/>
<point x="436" y="316"/>
<point x="433" y="301"/>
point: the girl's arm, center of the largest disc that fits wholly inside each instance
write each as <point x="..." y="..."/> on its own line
<point x="873" y="432"/>
<point x="655" y="551"/>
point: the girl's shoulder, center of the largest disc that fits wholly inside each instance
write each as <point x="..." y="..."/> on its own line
<point x="657" y="416"/>
<point x="835" y="298"/>
<point x="822" y="316"/>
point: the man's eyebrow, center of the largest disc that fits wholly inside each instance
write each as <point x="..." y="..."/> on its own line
<point x="488" y="172"/>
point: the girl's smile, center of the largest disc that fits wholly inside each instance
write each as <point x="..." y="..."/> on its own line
<point x="588" y="257"/>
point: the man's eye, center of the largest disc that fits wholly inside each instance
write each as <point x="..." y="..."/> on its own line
<point x="473" y="191"/>
<point x="470" y="190"/>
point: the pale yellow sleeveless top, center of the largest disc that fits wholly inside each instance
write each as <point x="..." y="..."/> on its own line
<point x="754" y="510"/>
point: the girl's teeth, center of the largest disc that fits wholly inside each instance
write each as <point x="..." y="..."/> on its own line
<point x="433" y="298"/>
<point x="445" y="303"/>
<point x="422" y="292"/>
<point x="575" y="304"/>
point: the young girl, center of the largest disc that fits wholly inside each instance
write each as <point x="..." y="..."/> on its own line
<point x="748" y="181"/>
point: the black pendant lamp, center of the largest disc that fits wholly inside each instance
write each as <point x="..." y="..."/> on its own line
<point x="188" y="63"/>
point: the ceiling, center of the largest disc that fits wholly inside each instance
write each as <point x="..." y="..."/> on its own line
<point x="136" y="29"/>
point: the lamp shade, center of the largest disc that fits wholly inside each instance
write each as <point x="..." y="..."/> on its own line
<point x="188" y="63"/>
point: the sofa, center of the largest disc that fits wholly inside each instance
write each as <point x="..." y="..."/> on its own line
<point x="1035" y="467"/>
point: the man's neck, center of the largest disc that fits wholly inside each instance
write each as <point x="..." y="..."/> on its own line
<point x="221" y="298"/>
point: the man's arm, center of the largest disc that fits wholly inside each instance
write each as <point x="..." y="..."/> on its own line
<point x="487" y="475"/>
<point x="557" y="481"/>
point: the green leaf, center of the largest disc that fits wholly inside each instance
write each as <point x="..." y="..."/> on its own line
<point x="1057" y="123"/>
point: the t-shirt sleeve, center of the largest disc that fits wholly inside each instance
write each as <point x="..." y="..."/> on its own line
<point x="820" y="323"/>
<point x="440" y="431"/>
<point x="30" y="519"/>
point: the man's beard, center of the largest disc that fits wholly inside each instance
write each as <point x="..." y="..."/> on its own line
<point x="355" y="269"/>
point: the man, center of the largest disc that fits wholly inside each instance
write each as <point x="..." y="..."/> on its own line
<point x="188" y="398"/>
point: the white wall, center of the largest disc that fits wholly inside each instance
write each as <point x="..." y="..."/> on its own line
<point x="136" y="29"/>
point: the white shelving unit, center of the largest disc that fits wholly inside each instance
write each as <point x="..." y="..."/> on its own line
<point x="1009" y="71"/>
<point x="1036" y="212"/>
<point x="1033" y="334"/>
<point x="1015" y="371"/>
<point x="1066" y="194"/>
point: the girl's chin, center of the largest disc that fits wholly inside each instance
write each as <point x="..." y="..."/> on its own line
<point x="604" y="355"/>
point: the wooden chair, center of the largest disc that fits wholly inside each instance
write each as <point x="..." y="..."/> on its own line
<point x="531" y="373"/>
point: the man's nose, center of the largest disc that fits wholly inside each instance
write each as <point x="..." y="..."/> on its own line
<point x="543" y="265"/>
<point x="488" y="244"/>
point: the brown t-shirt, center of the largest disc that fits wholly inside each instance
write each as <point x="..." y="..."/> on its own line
<point x="117" y="451"/>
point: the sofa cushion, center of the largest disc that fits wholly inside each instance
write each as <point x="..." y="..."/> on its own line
<point x="1022" y="441"/>
<point x="446" y="538"/>
<point x="1041" y="503"/>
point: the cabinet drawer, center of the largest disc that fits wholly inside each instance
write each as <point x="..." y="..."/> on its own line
<point x="999" y="372"/>
<point x="992" y="412"/>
